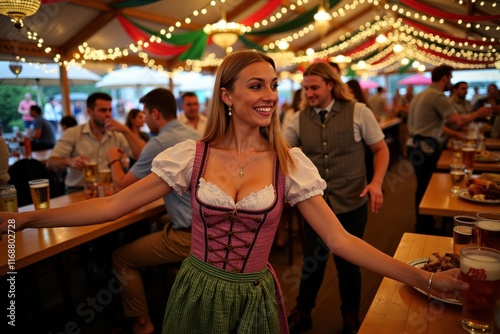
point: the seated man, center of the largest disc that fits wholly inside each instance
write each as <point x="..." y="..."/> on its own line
<point x="190" y="115"/>
<point x="90" y="141"/>
<point x="174" y="242"/>
<point x="42" y="136"/>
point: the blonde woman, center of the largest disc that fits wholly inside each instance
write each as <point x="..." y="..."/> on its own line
<point x="240" y="175"/>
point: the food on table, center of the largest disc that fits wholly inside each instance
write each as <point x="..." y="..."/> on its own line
<point x="437" y="263"/>
<point x="486" y="155"/>
<point x="487" y="186"/>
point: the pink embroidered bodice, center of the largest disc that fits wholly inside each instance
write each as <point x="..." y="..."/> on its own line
<point x="233" y="239"/>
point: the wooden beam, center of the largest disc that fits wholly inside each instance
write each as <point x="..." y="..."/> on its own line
<point x="88" y="31"/>
<point x="160" y="19"/>
<point x="24" y="49"/>
<point x="97" y="5"/>
<point x="136" y="13"/>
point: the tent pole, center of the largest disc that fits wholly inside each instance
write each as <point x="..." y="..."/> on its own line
<point x="38" y="93"/>
<point x="63" y="74"/>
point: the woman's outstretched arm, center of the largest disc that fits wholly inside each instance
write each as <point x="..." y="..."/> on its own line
<point x="321" y="218"/>
<point x="93" y="211"/>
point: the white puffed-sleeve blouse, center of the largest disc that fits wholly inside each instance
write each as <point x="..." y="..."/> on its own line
<point x="175" y="166"/>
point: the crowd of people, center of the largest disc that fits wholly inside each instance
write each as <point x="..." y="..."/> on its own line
<point x="226" y="178"/>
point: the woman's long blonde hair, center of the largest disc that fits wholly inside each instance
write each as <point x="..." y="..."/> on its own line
<point x="218" y="118"/>
<point x="324" y="70"/>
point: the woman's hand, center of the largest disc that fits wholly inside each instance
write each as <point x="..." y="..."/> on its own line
<point x="447" y="285"/>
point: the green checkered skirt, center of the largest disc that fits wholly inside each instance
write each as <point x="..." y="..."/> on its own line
<point x="206" y="299"/>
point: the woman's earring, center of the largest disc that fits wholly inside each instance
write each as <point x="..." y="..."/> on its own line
<point x="229" y="110"/>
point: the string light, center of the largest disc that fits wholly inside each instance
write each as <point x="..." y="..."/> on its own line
<point x="397" y="32"/>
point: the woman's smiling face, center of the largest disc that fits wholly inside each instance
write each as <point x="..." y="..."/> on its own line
<point x="254" y="94"/>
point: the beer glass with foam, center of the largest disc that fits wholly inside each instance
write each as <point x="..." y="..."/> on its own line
<point x="480" y="267"/>
<point x="8" y="198"/>
<point x="457" y="174"/>
<point x="488" y="229"/>
<point x="464" y="233"/>
<point x="40" y="193"/>
<point x="91" y="171"/>
<point x="468" y="155"/>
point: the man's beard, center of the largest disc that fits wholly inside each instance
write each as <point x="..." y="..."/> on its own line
<point x="99" y="124"/>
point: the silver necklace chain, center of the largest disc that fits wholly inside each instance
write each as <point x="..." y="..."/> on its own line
<point x="242" y="171"/>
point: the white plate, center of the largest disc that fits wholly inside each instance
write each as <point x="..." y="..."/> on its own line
<point x="464" y="194"/>
<point x="419" y="263"/>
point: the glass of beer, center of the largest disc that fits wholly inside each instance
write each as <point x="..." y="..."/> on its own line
<point x="464" y="233"/>
<point x="488" y="229"/>
<point x="40" y="193"/>
<point x="456" y="151"/>
<point x="457" y="173"/>
<point x="480" y="267"/>
<point x="8" y="198"/>
<point x="105" y="187"/>
<point x="468" y="155"/>
<point x="91" y="170"/>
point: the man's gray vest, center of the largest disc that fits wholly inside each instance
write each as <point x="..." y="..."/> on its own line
<point x="340" y="160"/>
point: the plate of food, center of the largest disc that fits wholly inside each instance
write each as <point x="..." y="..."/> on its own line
<point x="478" y="198"/>
<point x="482" y="189"/>
<point x="487" y="156"/>
<point x="436" y="263"/>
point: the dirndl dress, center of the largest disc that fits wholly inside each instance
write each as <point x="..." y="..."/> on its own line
<point x="226" y="284"/>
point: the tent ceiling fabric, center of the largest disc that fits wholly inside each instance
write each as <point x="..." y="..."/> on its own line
<point x="467" y="34"/>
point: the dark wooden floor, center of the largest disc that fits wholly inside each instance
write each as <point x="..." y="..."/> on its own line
<point x="97" y="310"/>
<point x="383" y="231"/>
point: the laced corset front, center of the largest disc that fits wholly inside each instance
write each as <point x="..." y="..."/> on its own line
<point x="233" y="239"/>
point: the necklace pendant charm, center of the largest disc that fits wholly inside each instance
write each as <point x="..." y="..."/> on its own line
<point x="242" y="173"/>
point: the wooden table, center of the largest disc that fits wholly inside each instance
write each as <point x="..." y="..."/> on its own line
<point x="492" y="143"/>
<point x="399" y="308"/>
<point x="390" y="127"/>
<point x="34" y="245"/>
<point x="389" y="122"/>
<point x="445" y="160"/>
<point x="439" y="201"/>
<point x="41" y="156"/>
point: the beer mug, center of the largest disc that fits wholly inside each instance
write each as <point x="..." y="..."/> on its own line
<point x="468" y="156"/>
<point x="40" y="193"/>
<point x="456" y="150"/>
<point x="91" y="171"/>
<point x="480" y="267"/>
<point x="105" y="185"/>
<point x="488" y="229"/>
<point x="8" y="198"/>
<point x="457" y="174"/>
<point x="464" y="233"/>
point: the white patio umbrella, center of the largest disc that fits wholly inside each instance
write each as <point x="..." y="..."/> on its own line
<point x="193" y="81"/>
<point x="44" y="75"/>
<point x="134" y="76"/>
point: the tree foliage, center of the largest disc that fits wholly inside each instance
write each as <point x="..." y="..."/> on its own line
<point x="10" y="96"/>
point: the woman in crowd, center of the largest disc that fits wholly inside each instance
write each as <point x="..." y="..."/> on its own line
<point x="240" y="175"/>
<point x="357" y="91"/>
<point x="135" y="121"/>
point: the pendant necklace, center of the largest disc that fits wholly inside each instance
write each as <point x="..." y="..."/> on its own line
<point x="242" y="171"/>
